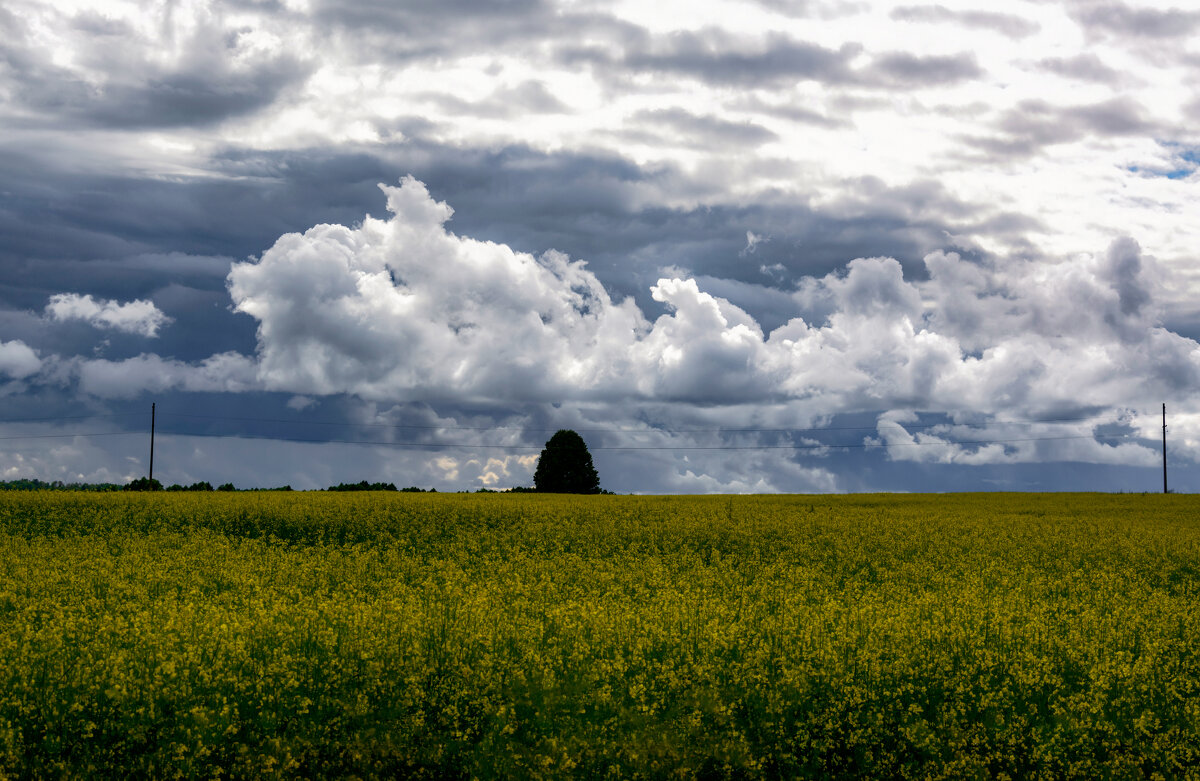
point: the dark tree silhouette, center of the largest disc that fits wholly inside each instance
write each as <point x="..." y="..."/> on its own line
<point x="565" y="466"/>
<point x="143" y="484"/>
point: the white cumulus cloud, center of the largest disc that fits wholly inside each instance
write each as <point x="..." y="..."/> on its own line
<point x="134" y="317"/>
<point x="224" y="372"/>
<point x="403" y="309"/>
<point x="18" y="360"/>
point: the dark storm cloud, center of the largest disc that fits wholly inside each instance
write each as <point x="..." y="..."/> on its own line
<point x="584" y="205"/>
<point x="53" y="213"/>
<point x="702" y="130"/>
<point x="1005" y="24"/>
<point x="1085" y="67"/>
<point x="1123" y="21"/>
<point x="1034" y="124"/>
<point x="190" y="98"/>
<point x="200" y="323"/>
<point x="123" y="237"/>
<point x="121" y="83"/>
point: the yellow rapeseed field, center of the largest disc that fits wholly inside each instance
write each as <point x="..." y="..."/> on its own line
<point x="381" y="635"/>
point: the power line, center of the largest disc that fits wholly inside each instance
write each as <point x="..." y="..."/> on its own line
<point x="82" y="434"/>
<point x="71" y="417"/>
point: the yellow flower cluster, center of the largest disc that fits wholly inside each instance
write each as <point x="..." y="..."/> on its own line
<point x="375" y="635"/>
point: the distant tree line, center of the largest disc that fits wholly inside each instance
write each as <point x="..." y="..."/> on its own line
<point x="56" y="485"/>
<point x="146" y="484"/>
<point x="564" y="467"/>
<point x="149" y="484"/>
<point x="363" y="485"/>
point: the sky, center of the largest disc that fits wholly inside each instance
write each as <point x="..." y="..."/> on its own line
<point x="761" y="246"/>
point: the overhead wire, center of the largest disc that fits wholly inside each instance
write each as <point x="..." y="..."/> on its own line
<point x="72" y="417"/>
<point x="77" y="434"/>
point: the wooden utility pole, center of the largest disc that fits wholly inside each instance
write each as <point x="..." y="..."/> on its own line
<point x="151" y="440"/>
<point x="1164" y="447"/>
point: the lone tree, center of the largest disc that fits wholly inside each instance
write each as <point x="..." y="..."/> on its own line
<point x="565" y="466"/>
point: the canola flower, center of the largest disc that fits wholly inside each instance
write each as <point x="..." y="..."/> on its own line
<point x="479" y="636"/>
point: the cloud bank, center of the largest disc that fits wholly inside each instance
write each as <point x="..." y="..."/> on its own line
<point x="402" y="309"/>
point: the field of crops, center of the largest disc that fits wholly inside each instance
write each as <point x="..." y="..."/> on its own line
<point x="380" y="635"/>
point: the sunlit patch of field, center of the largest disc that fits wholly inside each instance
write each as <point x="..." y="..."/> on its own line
<point x="379" y="635"/>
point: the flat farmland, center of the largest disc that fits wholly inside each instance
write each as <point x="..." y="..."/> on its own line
<point x="371" y="635"/>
